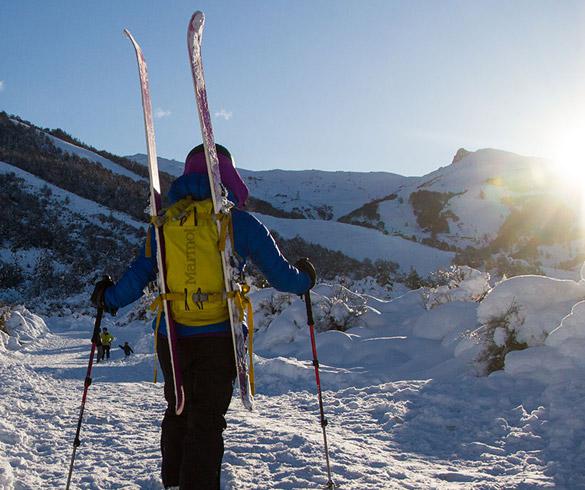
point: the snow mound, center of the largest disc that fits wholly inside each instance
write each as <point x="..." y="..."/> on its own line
<point x="572" y="327"/>
<point x="561" y="357"/>
<point x="446" y="322"/>
<point x="20" y="327"/>
<point x="541" y="303"/>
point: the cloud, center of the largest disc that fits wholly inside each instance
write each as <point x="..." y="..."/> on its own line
<point x="224" y="114"/>
<point x="1" y="85"/>
<point x="160" y="113"/>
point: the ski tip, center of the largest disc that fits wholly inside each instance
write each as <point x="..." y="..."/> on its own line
<point x="197" y="21"/>
<point x="129" y="35"/>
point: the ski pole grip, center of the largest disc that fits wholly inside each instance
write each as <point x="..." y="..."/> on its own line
<point x="310" y="320"/>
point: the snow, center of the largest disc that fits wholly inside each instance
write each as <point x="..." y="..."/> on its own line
<point x="94" y="157"/>
<point x="342" y="192"/>
<point x="571" y="327"/>
<point x="405" y="404"/>
<point x="405" y="407"/>
<point x="487" y="164"/>
<point x="21" y="326"/>
<point x="361" y="243"/>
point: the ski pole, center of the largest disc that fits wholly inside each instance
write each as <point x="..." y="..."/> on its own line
<point x="311" y="323"/>
<point x="95" y="338"/>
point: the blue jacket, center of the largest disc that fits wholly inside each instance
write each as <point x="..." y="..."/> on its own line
<point x="252" y="240"/>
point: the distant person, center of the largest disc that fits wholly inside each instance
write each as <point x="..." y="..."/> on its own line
<point x="127" y="349"/>
<point x="100" y="348"/>
<point x="106" y="338"/>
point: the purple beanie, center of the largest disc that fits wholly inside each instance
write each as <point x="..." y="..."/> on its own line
<point x="195" y="164"/>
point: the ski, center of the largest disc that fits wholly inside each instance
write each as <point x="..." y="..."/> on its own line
<point x="155" y="209"/>
<point x="220" y="204"/>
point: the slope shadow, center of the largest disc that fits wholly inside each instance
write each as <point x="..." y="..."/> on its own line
<point x="137" y="369"/>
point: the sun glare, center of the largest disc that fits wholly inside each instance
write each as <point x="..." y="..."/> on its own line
<point x="569" y="159"/>
<point x="568" y="169"/>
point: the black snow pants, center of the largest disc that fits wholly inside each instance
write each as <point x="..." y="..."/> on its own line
<point x="192" y="443"/>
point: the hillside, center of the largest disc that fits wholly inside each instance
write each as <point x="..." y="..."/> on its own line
<point x="485" y="209"/>
<point x="57" y="186"/>
<point x="53" y="242"/>
<point x="469" y="201"/>
<point x="484" y="203"/>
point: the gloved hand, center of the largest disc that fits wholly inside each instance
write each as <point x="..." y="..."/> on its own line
<point x="305" y="266"/>
<point x="97" y="297"/>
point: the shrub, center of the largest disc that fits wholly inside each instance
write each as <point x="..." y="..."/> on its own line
<point x="368" y="215"/>
<point x="341" y="310"/>
<point x="458" y="283"/>
<point x="413" y="280"/>
<point x="499" y="336"/>
<point x="10" y="275"/>
<point x="276" y="303"/>
<point x="4" y="315"/>
<point x="503" y="266"/>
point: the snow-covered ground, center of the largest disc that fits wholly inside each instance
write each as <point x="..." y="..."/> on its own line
<point x="406" y="406"/>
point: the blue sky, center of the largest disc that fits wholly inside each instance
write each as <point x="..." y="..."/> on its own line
<point x="366" y="85"/>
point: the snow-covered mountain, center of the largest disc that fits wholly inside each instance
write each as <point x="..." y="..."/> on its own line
<point x="485" y="209"/>
<point x="467" y="202"/>
<point x="312" y="194"/>
<point x="487" y="201"/>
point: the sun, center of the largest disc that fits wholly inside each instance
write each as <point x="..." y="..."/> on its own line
<point x="568" y="161"/>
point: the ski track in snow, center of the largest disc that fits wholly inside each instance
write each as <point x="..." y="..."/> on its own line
<point x="466" y="433"/>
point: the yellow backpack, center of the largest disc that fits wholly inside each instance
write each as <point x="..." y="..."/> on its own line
<point x="193" y="262"/>
<point x="194" y="276"/>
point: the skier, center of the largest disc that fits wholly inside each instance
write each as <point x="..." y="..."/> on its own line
<point x="99" y="348"/>
<point x="192" y="443"/>
<point x="127" y="349"/>
<point x="106" y="338"/>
